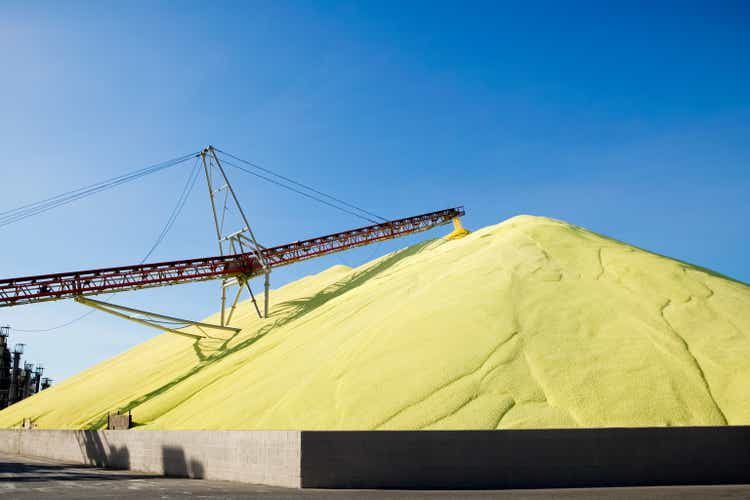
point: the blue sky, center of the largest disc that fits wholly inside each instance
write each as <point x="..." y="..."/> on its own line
<point x="631" y="120"/>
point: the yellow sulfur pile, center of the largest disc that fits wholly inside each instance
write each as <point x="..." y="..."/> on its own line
<point x="527" y="324"/>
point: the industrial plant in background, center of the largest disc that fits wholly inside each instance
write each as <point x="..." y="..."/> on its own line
<point x="17" y="382"/>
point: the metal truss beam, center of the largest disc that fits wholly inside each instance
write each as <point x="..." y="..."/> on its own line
<point x="238" y="267"/>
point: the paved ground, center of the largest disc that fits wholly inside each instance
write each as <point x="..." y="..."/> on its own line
<point x="27" y="478"/>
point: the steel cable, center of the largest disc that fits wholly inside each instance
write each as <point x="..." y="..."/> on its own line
<point x="299" y="184"/>
<point x="280" y="184"/>
<point x="181" y="200"/>
<point x="31" y="209"/>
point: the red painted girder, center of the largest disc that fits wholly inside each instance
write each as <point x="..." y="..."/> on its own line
<point x="25" y="290"/>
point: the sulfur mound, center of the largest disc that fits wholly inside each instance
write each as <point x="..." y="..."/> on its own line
<point x="530" y="323"/>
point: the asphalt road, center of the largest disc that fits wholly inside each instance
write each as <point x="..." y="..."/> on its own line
<point x="27" y="478"/>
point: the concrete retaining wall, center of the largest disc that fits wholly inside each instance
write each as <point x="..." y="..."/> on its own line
<point x="411" y="459"/>
<point x="526" y="458"/>
<point x="261" y="457"/>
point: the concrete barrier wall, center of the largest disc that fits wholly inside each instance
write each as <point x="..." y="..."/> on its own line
<point x="526" y="458"/>
<point x="262" y="457"/>
<point x="411" y="459"/>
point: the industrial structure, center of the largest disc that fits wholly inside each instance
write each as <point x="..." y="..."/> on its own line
<point x="17" y="382"/>
<point x="240" y="258"/>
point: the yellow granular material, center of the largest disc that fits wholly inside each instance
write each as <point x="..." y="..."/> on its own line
<point x="531" y="323"/>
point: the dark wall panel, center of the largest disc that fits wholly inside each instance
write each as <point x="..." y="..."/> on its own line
<point x="525" y="458"/>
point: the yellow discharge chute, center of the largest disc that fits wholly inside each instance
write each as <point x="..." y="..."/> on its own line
<point x="458" y="230"/>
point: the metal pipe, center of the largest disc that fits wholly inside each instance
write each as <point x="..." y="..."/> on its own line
<point x="103" y="306"/>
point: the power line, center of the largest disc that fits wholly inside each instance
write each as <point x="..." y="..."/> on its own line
<point x="31" y="209"/>
<point x="292" y="181"/>
<point x="57" y="327"/>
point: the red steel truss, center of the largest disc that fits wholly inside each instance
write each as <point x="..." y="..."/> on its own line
<point x="26" y="290"/>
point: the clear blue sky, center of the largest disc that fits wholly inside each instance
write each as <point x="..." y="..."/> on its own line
<point x="633" y="121"/>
